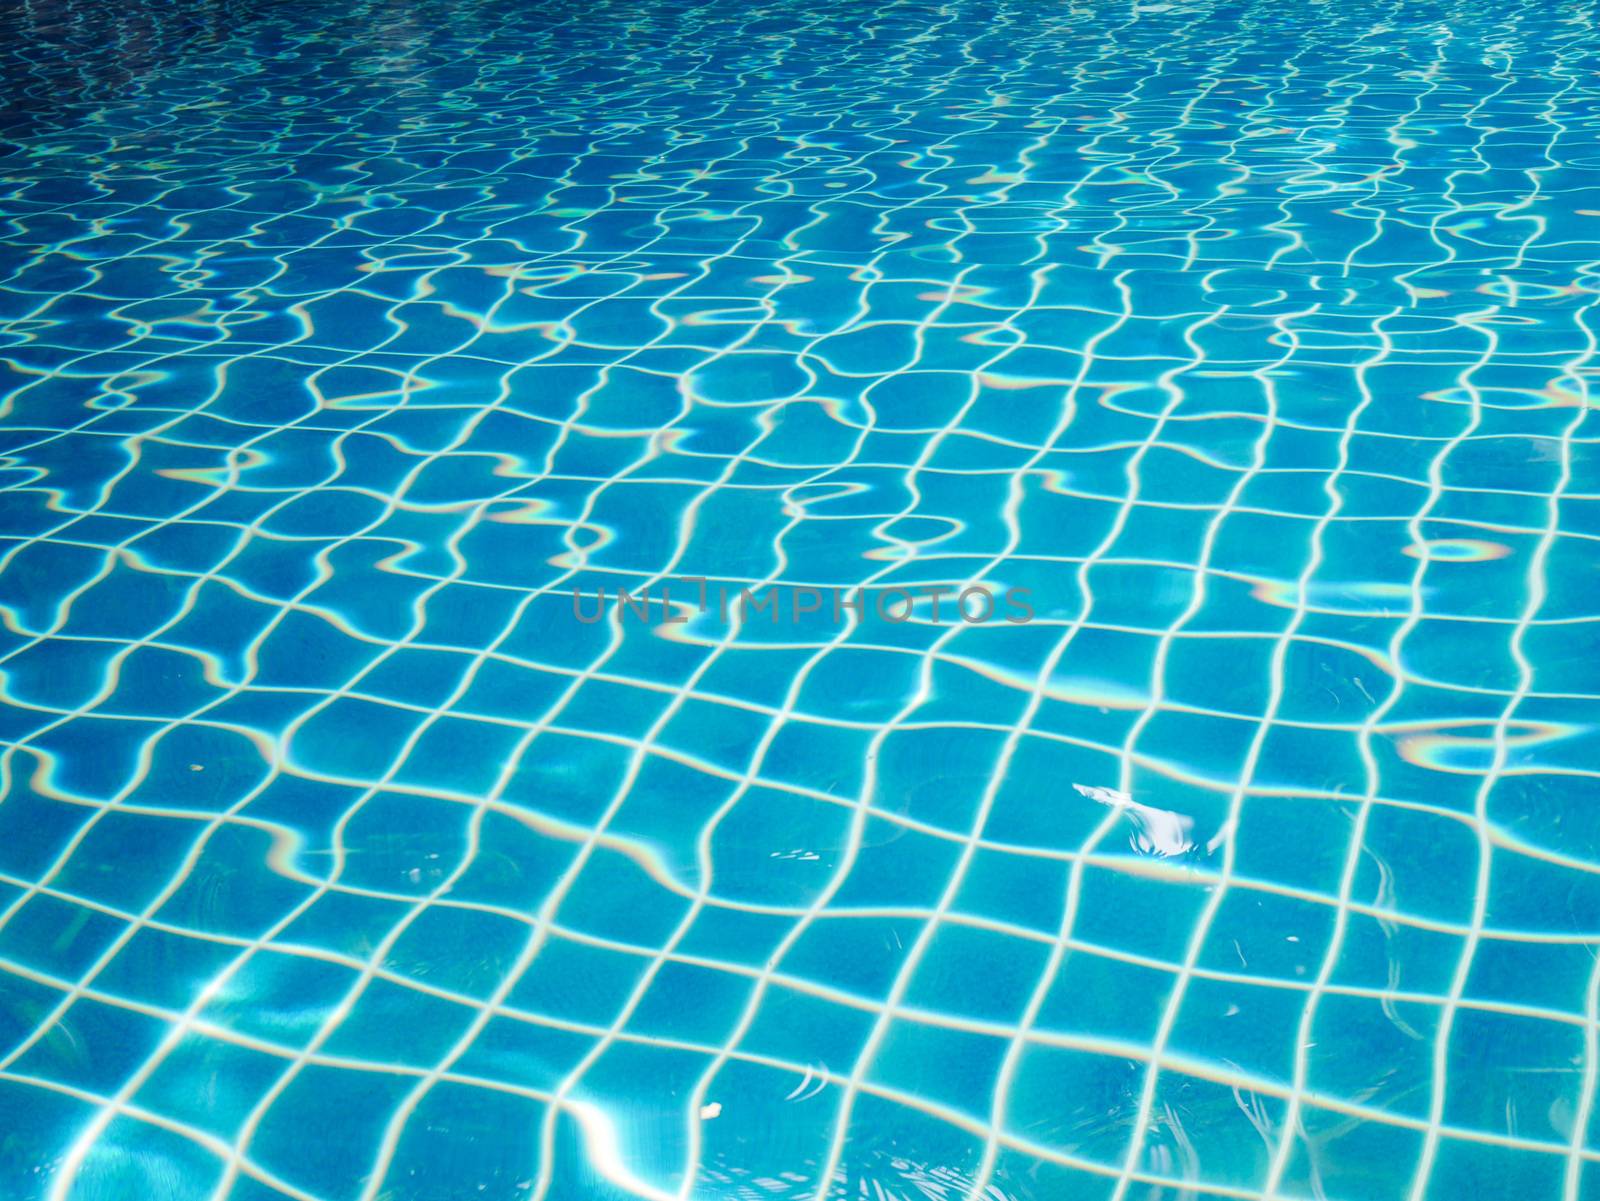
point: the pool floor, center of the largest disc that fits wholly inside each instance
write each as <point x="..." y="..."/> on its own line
<point x="721" y="602"/>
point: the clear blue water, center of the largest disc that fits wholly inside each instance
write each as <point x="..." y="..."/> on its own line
<point x="1247" y="347"/>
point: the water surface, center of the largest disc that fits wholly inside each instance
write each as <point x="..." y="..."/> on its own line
<point x="1252" y="343"/>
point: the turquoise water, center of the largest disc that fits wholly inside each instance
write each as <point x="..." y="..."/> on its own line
<point x="1237" y="357"/>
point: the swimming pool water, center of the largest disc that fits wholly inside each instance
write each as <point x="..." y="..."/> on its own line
<point x="1251" y="346"/>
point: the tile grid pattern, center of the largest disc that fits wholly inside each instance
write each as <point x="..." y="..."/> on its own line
<point x="288" y="619"/>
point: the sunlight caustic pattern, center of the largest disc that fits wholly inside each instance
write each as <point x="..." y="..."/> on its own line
<point x="340" y="861"/>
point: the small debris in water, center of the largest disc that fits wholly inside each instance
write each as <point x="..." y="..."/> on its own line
<point x="707" y="1112"/>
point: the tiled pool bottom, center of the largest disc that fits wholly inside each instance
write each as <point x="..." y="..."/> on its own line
<point x="342" y="860"/>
